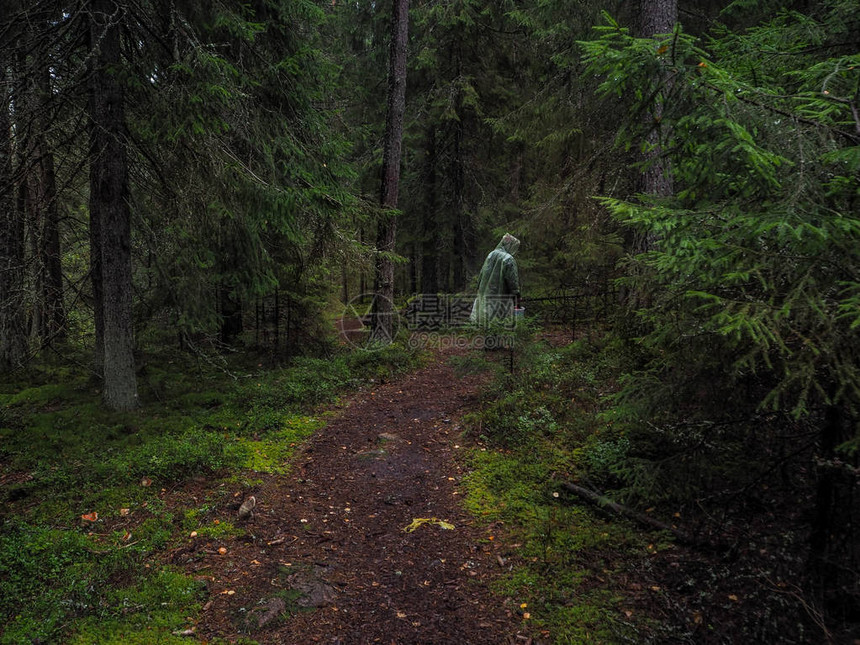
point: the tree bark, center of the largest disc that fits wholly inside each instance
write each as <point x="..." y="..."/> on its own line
<point x="383" y="328"/>
<point x="13" y="335"/>
<point x="429" y="230"/>
<point x="655" y="17"/>
<point x="38" y="188"/>
<point x="109" y="205"/>
<point x="458" y="188"/>
<point x="48" y="218"/>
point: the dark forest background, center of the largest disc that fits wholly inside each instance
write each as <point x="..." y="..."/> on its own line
<point x="205" y="179"/>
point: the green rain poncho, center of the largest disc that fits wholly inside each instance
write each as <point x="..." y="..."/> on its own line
<point x="498" y="283"/>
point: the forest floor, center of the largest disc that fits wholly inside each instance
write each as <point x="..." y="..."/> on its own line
<point x="366" y="540"/>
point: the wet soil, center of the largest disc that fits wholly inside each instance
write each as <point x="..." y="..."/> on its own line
<point x="327" y="557"/>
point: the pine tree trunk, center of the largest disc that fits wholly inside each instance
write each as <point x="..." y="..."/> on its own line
<point x="95" y="232"/>
<point x="655" y="17"/>
<point x="429" y="226"/>
<point x="458" y="184"/>
<point x="39" y="188"/>
<point x="13" y="337"/>
<point x="55" y="314"/>
<point x="109" y="206"/>
<point x="54" y="317"/>
<point x="382" y="328"/>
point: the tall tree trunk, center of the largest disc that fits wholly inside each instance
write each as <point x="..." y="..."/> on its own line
<point x="39" y="190"/>
<point x="429" y="225"/>
<point x="109" y="205"/>
<point x="655" y="17"/>
<point x="95" y="232"/>
<point x="382" y="328"/>
<point x="458" y="188"/>
<point x="41" y="200"/>
<point x="54" y="317"/>
<point x="13" y="336"/>
<point x="55" y="314"/>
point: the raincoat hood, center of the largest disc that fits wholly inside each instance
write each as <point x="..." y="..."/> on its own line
<point x="509" y="244"/>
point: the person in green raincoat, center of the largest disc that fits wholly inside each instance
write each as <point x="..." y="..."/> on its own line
<point x="498" y="284"/>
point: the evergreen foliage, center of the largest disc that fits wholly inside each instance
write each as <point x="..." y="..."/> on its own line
<point x="749" y="293"/>
<point x="245" y="179"/>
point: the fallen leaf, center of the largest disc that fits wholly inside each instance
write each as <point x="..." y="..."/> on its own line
<point x="733" y="597"/>
<point x="124" y="511"/>
<point x="90" y="517"/>
<point x="526" y="616"/>
<point x="127" y="536"/>
<point x="418" y="521"/>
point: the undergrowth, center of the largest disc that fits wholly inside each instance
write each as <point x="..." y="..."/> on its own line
<point x="83" y="516"/>
<point x="561" y="416"/>
<point x="539" y="427"/>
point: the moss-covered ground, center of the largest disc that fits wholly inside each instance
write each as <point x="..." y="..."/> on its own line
<point x="84" y="525"/>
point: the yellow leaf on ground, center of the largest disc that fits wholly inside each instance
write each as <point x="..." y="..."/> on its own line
<point x="418" y="521"/>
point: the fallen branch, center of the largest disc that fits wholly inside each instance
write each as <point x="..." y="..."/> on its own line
<point x="604" y="502"/>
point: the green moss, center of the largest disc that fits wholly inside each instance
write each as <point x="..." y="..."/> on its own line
<point x="272" y="454"/>
<point x="221" y="531"/>
<point x="148" y="612"/>
<point x="503" y="486"/>
<point x="590" y="618"/>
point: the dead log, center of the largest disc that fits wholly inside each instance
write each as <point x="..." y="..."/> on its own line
<point x="604" y="502"/>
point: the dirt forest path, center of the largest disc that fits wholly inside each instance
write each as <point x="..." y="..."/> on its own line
<point x="327" y="543"/>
